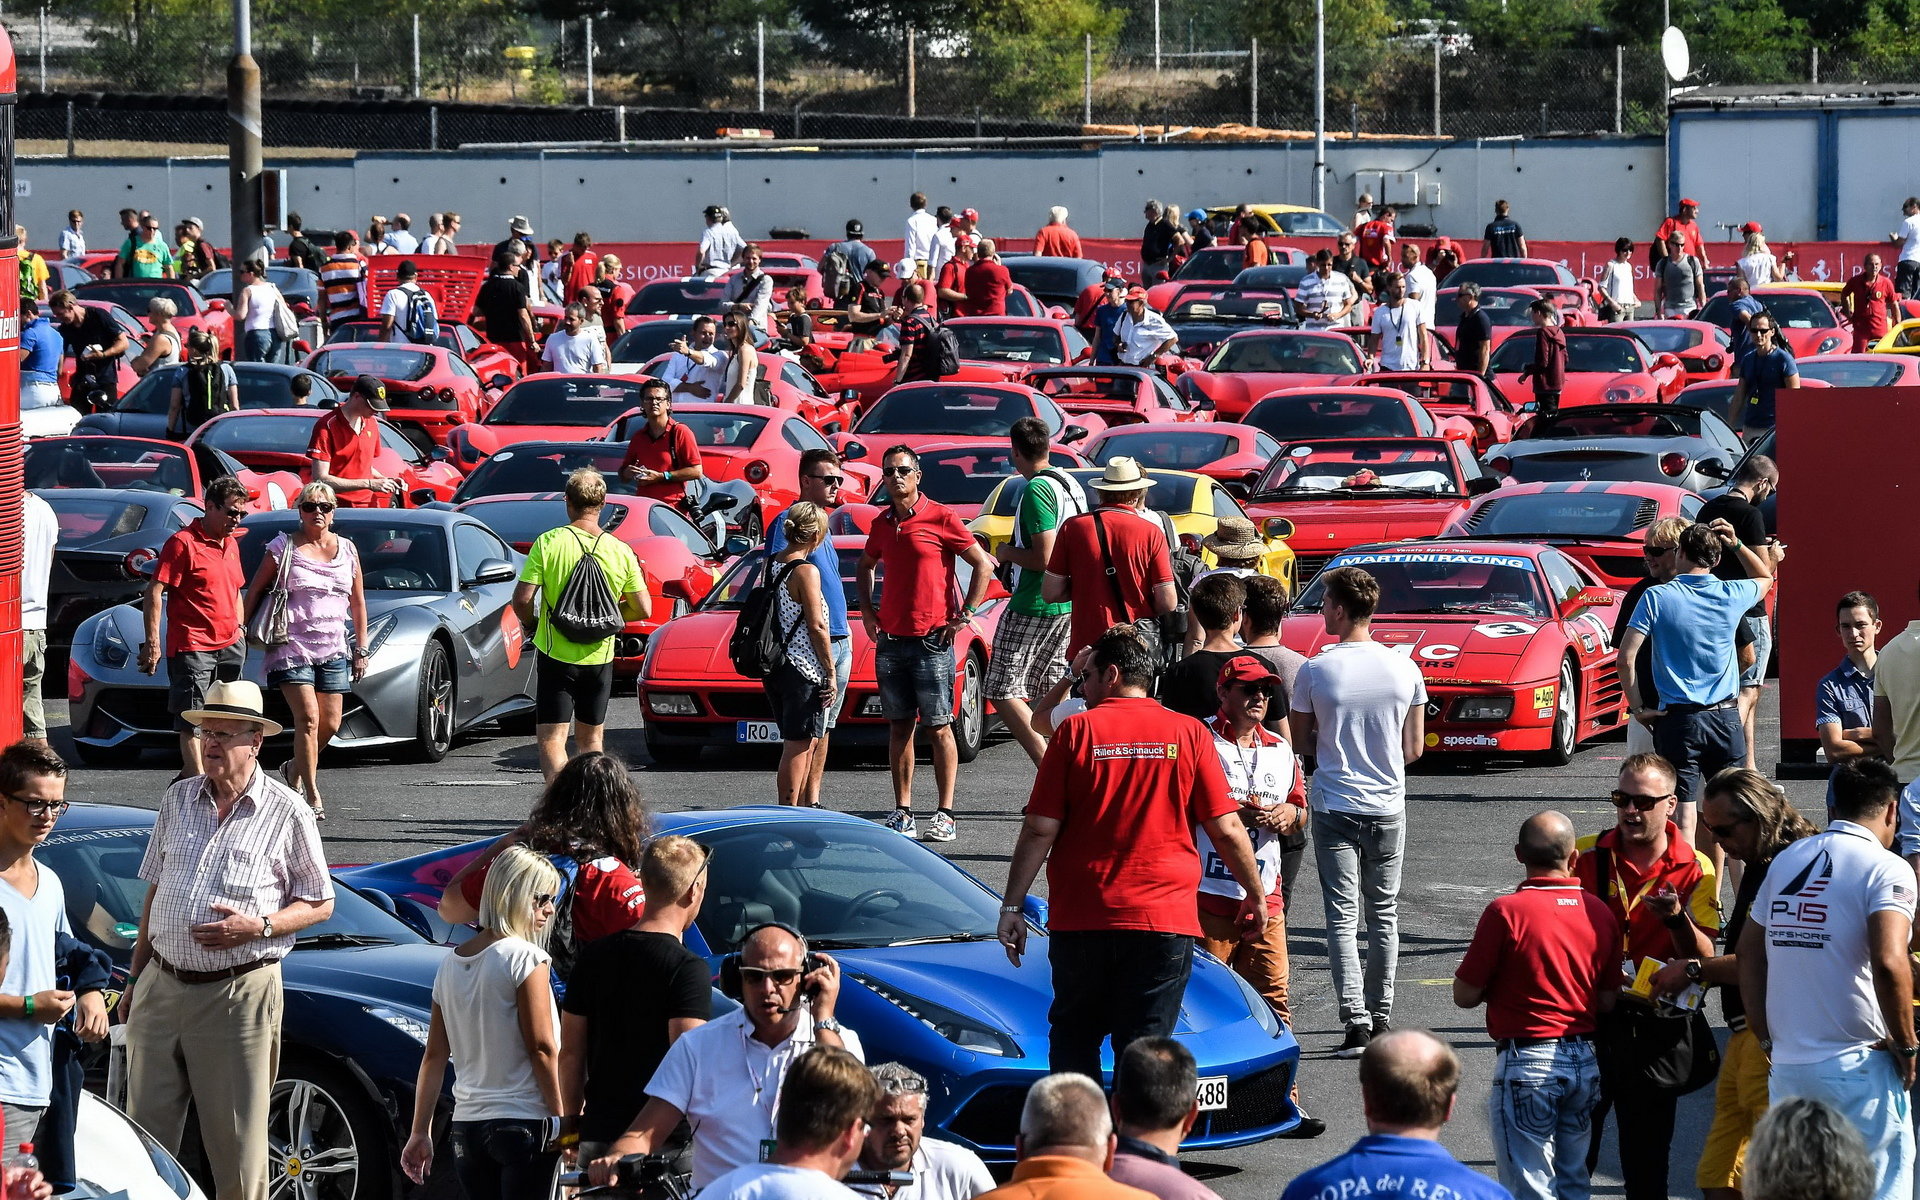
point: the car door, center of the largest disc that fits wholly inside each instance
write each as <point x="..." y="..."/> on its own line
<point x="484" y="626"/>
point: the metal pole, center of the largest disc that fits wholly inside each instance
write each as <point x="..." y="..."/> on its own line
<point x="69" y="129"/>
<point x="1620" y="88"/>
<point x="243" y="136"/>
<point x="620" y="121"/>
<point x="1353" y="119"/>
<point x="760" y="67"/>
<point x="1320" y="104"/>
<point x="910" y="79"/>
<point x="1436" y="87"/>
<point x="43" y="47"/>
<point x="1253" y="81"/>
<point x="43" y="65"/>
<point x="1086" y="117"/>
<point x="1156" y="37"/>
<point x="589" y="62"/>
<point x="433" y="127"/>
<point x="416" y="56"/>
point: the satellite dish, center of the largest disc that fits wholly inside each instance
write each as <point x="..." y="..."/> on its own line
<point x="1673" y="53"/>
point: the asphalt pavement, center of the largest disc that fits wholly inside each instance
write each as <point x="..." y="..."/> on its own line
<point x="1462" y="822"/>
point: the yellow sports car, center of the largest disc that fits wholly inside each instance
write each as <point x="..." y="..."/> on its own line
<point x="1194" y="503"/>
<point x="1903" y="338"/>
<point x="1287" y="220"/>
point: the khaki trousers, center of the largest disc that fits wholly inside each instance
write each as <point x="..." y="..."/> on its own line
<point x="1262" y="961"/>
<point x="216" y="1046"/>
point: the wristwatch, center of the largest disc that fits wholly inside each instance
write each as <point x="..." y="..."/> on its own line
<point x="1907" y="1051"/>
<point x="829" y="1024"/>
<point x="1693" y="970"/>
<point x="1012" y="909"/>
<point x="266" y="927"/>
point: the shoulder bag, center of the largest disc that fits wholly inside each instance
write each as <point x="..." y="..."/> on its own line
<point x="1674" y="1051"/>
<point x="268" y="629"/>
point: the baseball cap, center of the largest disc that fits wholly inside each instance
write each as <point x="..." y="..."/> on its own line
<point x="971" y="214"/>
<point x="1687" y="203"/>
<point x="1136" y="293"/>
<point x="374" y="392"/>
<point x="1753" y="227"/>
<point x="196" y="222"/>
<point x="406" y="269"/>
<point x="1197" y="214"/>
<point x="1246" y="668"/>
<point x="855" y="228"/>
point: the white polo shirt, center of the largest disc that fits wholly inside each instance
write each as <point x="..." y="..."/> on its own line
<point x="727" y="1083"/>
<point x="941" y="1171"/>
<point x="713" y="376"/>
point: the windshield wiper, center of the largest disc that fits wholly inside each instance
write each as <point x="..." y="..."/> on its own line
<point x="329" y="941"/>
<point x="940" y="939"/>
<point x="1516" y="607"/>
<point x="840" y="944"/>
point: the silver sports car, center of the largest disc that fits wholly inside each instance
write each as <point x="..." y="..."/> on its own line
<point x="448" y="651"/>
<point x="1629" y="443"/>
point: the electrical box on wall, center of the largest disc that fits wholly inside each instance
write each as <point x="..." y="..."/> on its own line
<point x="1432" y="196"/>
<point x="1368" y="183"/>
<point x="1401" y="187"/>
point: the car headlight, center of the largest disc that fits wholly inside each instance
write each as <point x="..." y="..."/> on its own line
<point x="109" y="648"/>
<point x="964" y="1032"/>
<point x="1622" y="393"/>
<point x="1826" y="344"/>
<point x="410" y="1025"/>
<point x="1483" y="708"/>
<point x="672" y="704"/>
<point x="1262" y="1011"/>
<point x="378" y="631"/>
<point x="870" y="707"/>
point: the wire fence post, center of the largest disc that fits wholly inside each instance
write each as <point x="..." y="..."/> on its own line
<point x="1156" y="37"/>
<point x="620" y="122"/>
<point x="1620" y="88"/>
<point x="760" y="66"/>
<point x="1253" y="80"/>
<point x="910" y="79"/>
<point x="70" y="129"/>
<point x="1543" y="118"/>
<point x="416" y="56"/>
<point x="589" y="62"/>
<point x="1353" y="116"/>
<point x="1436" y="87"/>
<point x="1086" y="117"/>
<point x="43" y="47"/>
<point x="1813" y="70"/>
<point x="433" y="127"/>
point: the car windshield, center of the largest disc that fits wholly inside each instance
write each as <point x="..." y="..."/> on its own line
<point x="1290" y="418"/>
<point x="410" y="557"/>
<point x="1274" y="275"/>
<point x="220" y="282"/>
<point x="99" y="870"/>
<point x="1602" y="422"/>
<point x="518" y="522"/>
<point x="133" y="296"/>
<point x="1230" y="306"/>
<point x="1307" y="470"/>
<point x="1850" y="374"/>
<point x="842" y="886"/>
<point x="1216" y="262"/>
<point x="645" y="342"/>
<point x="731" y="591"/>
<point x="87" y="519"/>
<point x="1563" y="514"/>
<point x="1602" y="354"/>
<point x="672" y="296"/>
<point x="958" y="411"/>
<point x="1668" y="339"/>
<point x="258" y="389"/>
<point x="360" y="332"/>
<point x="1008" y="343"/>
<point x="1496" y="273"/>
<point x="1504" y="309"/>
<point x="531" y="467"/>
<point x="1307" y="224"/>
<point x="1793" y="310"/>
<point x="1170" y="450"/>
<point x="272" y="434"/>
<point x="723" y="428"/>
<point x="1170" y="493"/>
<point x="588" y="403"/>
<point x="1413" y="581"/>
<point x="1048" y="280"/>
<point x="383" y="362"/>
<point x="1300" y="354"/>
<point x="109" y="463"/>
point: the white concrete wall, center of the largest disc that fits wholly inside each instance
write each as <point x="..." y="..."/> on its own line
<point x="1559" y="189"/>
<point x="1751" y="168"/>
<point x="1875" y="156"/>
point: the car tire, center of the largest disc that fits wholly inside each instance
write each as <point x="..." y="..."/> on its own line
<point x="1566" y="718"/>
<point x="347" y="1150"/>
<point x="970" y="723"/>
<point x="433" y="706"/>
<point x="752" y="527"/>
<point x="671" y="754"/>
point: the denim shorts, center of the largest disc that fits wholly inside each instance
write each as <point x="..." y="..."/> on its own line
<point x="1762" y="630"/>
<point x="191" y="672"/>
<point x="842" y="672"/>
<point x="914" y="678"/>
<point x="333" y="677"/>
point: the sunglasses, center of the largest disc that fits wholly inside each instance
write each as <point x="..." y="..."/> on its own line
<point x="39" y="808"/>
<point x="315" y="506"/>
<point x="1641" y="802"/>
<point x="782" y="977"/>
<point x="1653" y="551"/>
<point x="899" y="472"/>
<point x="1723" y="832"/>
<point x="542" y="899"/>
<point x="830" y="480"/>
<point x="234" y="514"/>
<point x="1258" y="689"/>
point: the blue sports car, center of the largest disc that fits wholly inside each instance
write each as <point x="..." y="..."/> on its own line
<point x="927" y="983"/>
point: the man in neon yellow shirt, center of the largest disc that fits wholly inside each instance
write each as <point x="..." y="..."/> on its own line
<point x="573" y="681"/>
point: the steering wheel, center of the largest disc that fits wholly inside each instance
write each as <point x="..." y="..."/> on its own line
<point x="403" y="580"/>
<point x="869" y="896"/>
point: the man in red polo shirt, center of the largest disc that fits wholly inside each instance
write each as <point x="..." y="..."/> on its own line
<point x="344" y="444"/>
<point x="1112" y="815"/>
<point x="200" y="580"/>
<point x="1542" y="960"/>
<point x="1868" y="303"/>
<point x="1135" y="545"/>
<point x="987" y="283"/>
<point x="912" y="629"/>
<point x="663" y="457"/>
<point x="1667" y="897"/>
<point x="1686" y="223"/>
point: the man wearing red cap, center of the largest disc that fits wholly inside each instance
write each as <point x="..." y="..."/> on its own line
<point x="1142" y="335"/>
<point x="1867" y="304"/>
<point x="1686" y="223"/>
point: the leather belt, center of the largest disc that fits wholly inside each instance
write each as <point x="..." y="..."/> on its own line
<point x="1506" y="1044"/>
<point x="1686" y="709"/>
<point x="221" y="976"/>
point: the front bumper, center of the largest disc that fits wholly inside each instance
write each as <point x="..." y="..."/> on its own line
<point x="1528" y="727"/>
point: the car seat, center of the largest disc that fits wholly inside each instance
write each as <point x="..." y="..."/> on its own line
<point x="944" y="480"/>
<point x="171" y="474"/>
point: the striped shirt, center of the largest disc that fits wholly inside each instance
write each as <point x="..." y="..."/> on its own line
<point x="344" y="280"/>
<point x="1324" y="296"/>
<point x="266" y="853"/>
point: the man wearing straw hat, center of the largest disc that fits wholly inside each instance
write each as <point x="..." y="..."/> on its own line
<point x="237" y="871"/>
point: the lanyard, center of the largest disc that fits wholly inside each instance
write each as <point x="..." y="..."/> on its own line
<point x="773" y="1073"/>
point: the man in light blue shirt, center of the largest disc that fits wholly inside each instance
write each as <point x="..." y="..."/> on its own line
<point x="41" y="348"/>
<point x="1693" y="620"/>
<point x="820" y="480"/>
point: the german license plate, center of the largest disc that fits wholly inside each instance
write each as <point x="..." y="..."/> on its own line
<point x="1212" y="1093"/>
<point x="756" y="732"/>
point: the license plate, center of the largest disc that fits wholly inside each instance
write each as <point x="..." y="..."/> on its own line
<point x="1212" y="1093"/>
<point x="756" y="732"/>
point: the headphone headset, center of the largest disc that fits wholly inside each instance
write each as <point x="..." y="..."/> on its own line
<point x="730" y="984"/>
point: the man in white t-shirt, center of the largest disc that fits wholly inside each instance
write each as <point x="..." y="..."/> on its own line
<point x="396" y="307"/>
<point x="720" y="244"/>
<point x="1398" y="329"/>
<point x="1826" y="945"/>
<point x="894" y="1142"/>
<point x="1906" y="275"/>
<point x="727" y="1076"/>
<point x="43" y="534"/>
<point x="824" y="1104"/>
<point x="574" y="350"/>
<point x="1360" y="709"/>
<point x="1422" y="288"/>
<point x="698" y="368"/>
<point x="1325" y="296"/>
<point x="917" y="244"/>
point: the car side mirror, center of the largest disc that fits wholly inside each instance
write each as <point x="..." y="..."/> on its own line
<point x="1589" y="597"/>
<point x="1072" y="434"/>
<point x="737" y="545"/>
<point x="1277" y="527"/>
<point x="1481" y="485"/>
<point x="1713" y="468"/>
<point x="419" y="496"/>
<point x="1666" y="360"/>
<point x="854" y="451"/>
<point x="216" y="305"/>
<point x="1034" y="908"/>
<point x="493" y="570"/>
<point x="500" y="381"/>
<point x="676" y="589"/>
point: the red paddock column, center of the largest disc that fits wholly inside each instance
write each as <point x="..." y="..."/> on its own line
<point x="12" y="452"/>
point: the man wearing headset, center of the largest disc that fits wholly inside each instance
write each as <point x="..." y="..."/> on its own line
<point x="725" y="1077"/>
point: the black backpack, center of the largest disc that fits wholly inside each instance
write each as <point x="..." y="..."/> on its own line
<point x="946" y="352"/>
<point x="204" y="388"/>
<point x="836" y="273"/>
<point x="758" y="646"/>
<point x="587" y="610"/>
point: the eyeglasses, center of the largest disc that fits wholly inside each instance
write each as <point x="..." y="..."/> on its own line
<point x="226" y="735"/>
<point x="783" y="977"/>
<point x="899" y="472"/>
<point x="315" y="506"/>
<point x="895" y="1086"/>
<point x="1641" y="802"/>
<point x="39" y="808"/>
<point x="1723" y="832"/>
<point x="830" y="480"/>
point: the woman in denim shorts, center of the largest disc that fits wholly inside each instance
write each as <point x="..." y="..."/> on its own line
<point x="315" y="667"/>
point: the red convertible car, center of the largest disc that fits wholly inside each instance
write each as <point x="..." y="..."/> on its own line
<point x="1257" y="363"/>
<point x="916" y="414"/>
<point x="677" y="561"/>
<point x="1117" y="395"/>
<point x="1604" y="366"/>
<point x="195" y="310"/>
<point x="150" y="465"/>
<point x="1457" y="395"/>
<point x="1601" y="525"/>
<point x="692" y="697"/>
<point x="1513" y="639"/>
<point x="1341" y="492"/>
<point x="431" y="389"/>
<point x="1232" y="454"/>
<point x="489" y="361"/>
<point x="547" y="407"/>
<point x="276" y="439"/>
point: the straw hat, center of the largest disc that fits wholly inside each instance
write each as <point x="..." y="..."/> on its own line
<point x="1123" y="474"/>
<point x="234" y="700"/>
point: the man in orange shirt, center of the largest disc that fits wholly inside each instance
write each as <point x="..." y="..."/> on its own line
<point x="1065" y="1145"/>
<point x="1057" y="239"/>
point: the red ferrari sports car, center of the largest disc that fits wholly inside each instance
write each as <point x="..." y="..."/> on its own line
<point x="1513" y="639"/>
<point x="1506" y="307"/>
<point x="1604" y="366"/>
<point x="1118" y="395"/>
<point x="195" y="310"/>
<point x="1806" y="319"/>
<point x="786" y="385"/>
<point x="1701" y="346"/>
<point x="489" y="361"/>
<point x="1233" y="454"/>
<point x="1216" y="264"/>
<point x="915" y="414"/>
<point x="1457" y="395"/>
<point x="1248" y="366"/>
<point x="675" y="298"/>
<point x="1008" y="347"/>
<point x="431" y="389"/>
<point x="677" y="561"/>
<point x="276" y="439"/>
<point x="1860" y="370"/>
<point x="1381" y="410"/>
<point x="1511" y="272"/>
<point x="692" y="697"/>
<point x="547" y="407"/>
<point x="1601" y="525"/>
<point x="1341" y="492"/>
<point x="151" y="465"/>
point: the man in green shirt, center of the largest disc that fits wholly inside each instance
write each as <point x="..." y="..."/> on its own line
<point x="1029" y="647"/>
<point x="146" y="254"/>
<point x="574" y="680"/>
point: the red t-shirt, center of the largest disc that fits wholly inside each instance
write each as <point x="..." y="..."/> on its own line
<point x="1873" y="304"/>
<point x="1689" y="230"/>
<point x="987" y="287"/>
<point x="953" y="278"/>
<point x="1057" y="241"/>
<point x="1256" y="254"/>
<point x="581" y="272"/>
<point x="920" y="589"/>
<point x="1083" y="307"/>
<point x="1375" y="237"/>
<point x="1543" y="954"/>
<point x="203" y="581"/>
<point x="1139" y="552"/>
<point x="607" y="898"/>
<point x="348" y="455"/>
<point x="1128" y="780"/>
<point x="669" y="452"/>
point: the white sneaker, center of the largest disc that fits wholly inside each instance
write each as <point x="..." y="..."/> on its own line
<point x="940" y="826"/>
<point x="900" y="820"/>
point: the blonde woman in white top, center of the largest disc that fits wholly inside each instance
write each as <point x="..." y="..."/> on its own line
<point x="494" y="1016"/>
<point x="1757" y="262"/>
<point x="800" y="690"/>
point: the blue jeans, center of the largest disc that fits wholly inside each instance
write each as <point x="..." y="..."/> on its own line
<point x="1699" y="744"/>
<point x="842" y="672"/>
<point x="914" y="678"/>
<point x="1541" y="1112"/>
<point x="1359" y="862"/>
<point x="501" y="1160"/>
<point x="256" y="345"/>
<point x="1906" y="835"/>
<point x="1864" y="1086"/>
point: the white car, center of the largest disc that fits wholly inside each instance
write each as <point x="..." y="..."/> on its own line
<point x="54" y="420"/>
<point x="118" y="1160"/>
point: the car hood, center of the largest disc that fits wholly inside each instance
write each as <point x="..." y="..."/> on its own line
<point x="693" y="647"/>
<point x="401" y="976"/>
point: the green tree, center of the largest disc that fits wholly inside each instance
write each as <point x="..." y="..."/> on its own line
<point x="1027" y="57"/>
<point x="693" y="47"/>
